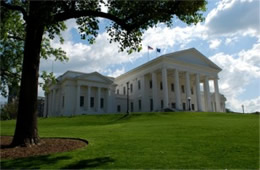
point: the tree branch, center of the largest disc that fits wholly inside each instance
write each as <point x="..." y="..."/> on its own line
<point x="16" y="37"/>
<point x="15" y="8"/>
<point x="76" y="14"/>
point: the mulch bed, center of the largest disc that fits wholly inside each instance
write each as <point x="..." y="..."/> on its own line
<point x="46" y="146"/>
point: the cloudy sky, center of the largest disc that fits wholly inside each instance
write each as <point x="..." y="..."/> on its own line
<point x="230" y="37"/>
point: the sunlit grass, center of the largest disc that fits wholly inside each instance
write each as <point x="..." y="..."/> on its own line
<point x="160" y="140"/>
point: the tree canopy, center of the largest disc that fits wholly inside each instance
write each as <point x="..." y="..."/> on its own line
<point x="129" y="20"/>
<point x="11" y="52"/>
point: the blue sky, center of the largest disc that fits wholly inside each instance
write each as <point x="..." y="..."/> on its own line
<point x="230" y="37"/>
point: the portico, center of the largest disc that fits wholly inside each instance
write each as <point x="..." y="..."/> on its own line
<point x="85" y="94"/>
<point x="175" y="81"/>
<point x="173" y="96"/>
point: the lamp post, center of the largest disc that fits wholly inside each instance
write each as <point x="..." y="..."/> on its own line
<point x="243" y="109"/>
<point x="189" y="99"/>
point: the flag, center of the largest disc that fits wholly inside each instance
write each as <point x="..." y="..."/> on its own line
<point x="158" y="50"/>
<point x="150" y="48"/>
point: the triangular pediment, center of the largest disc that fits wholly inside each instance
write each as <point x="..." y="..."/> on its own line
<point x="192" y="56"/>
<point x="96" y="77"/>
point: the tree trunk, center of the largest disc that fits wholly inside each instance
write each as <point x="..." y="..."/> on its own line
<point x="26" y="131"/>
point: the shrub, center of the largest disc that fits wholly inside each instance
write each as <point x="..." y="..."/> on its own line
<point x="9" y="111"/>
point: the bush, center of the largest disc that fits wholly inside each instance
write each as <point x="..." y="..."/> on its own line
<point x="9" y="111"/>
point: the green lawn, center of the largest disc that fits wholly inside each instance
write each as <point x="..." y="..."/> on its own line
<point x="165" y="140"/>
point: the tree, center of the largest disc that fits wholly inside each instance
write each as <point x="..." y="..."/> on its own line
<point x="11" y="52"/>
<point x="129" y="20"/>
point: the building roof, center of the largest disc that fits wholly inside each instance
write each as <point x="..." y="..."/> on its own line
<point x="192" y="56"/>
<point x="189" y="56"/>
<point x="79" y="75"/>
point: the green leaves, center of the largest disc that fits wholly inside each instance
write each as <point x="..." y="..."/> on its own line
<point x="140" y="15"/>
<point x="12" y="41"/>
<point x="48" y="51"/>
<point x="88" y="27"/>
<point x="129" y="20"/>
<point x="48" y="79"/>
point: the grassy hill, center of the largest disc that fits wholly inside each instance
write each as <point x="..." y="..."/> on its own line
<point x="161" y="140"/>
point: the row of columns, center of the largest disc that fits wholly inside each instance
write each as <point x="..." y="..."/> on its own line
<point x="98" y="104"/>
<point x="54" y="103"/>
<point x="51" y="103"/>
<point x="188" y="91"/>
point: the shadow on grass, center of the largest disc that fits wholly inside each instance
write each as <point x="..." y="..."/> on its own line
<point x="31" y="162"/>
<point x="40" y="161"/>
<point x="89" y="163"/>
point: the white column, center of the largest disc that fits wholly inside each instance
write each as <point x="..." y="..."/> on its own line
<point x="177" y="90"/>
<point x="188" y="92"/>
<point x="217" y="95"/>
<point x="107" y="100"/>
<point x="207" y="95"/>
<point x="165" y="88"/>
<point x="198" y="95"/>
<point x="155" y="90"/>
<point x="143" y="94"/>
<point x="89" y="96"/>
<point x="59" y="101"/>
<point x="50" y="103"/>
<point x="78" y="100"/>
<point x="98" y="98"/>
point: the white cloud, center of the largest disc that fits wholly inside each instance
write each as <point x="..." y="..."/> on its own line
<point x="238" y="72"/>
<point x="88" y="58"/>
<point x="104" y="8"/>
<point x="250" y="106"/>
<point x="230" y="20"/>
<point x="234" y="17"/>
<point x="116" y="73"/>
<point x="163" y="36"/>
<point x="251" y="56"/>
<point x="231" y="40"/>
<point x="214" y="43"/>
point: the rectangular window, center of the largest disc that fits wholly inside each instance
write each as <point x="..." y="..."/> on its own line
<point x="161" y="86"/>
<point x="151" y="84"/>
<point x="118" y="108"/>
<point x="124" y="91"/>
<point x="162" y="104"/>
<point x="63" y="101"/>
<point x="173" y="105"/>
<point x="92" y="102"/>
<point x="139" y="84"/>
<point x="117" y="91"/>
<point x="140" y="105"/>
<point x="132" y="106"/>
<point x="151" y="104"/>
<point x="191" y="90"/>
<point x="172" y="87"/>
<point x="81" y="101"/>
<point x="102" y="103"/>
<point x="131" y="88"/>
<point x="192" y="107"/>
<point x="182" y="89"/>
<point x="184" y="106"/>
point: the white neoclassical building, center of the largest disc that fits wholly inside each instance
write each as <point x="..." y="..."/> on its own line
<point x="175" y="81"/>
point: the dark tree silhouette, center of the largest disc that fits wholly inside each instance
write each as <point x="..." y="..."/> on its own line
<point x="129" y="20"/>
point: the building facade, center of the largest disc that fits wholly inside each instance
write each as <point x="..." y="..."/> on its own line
<point x="175" y="81"/>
